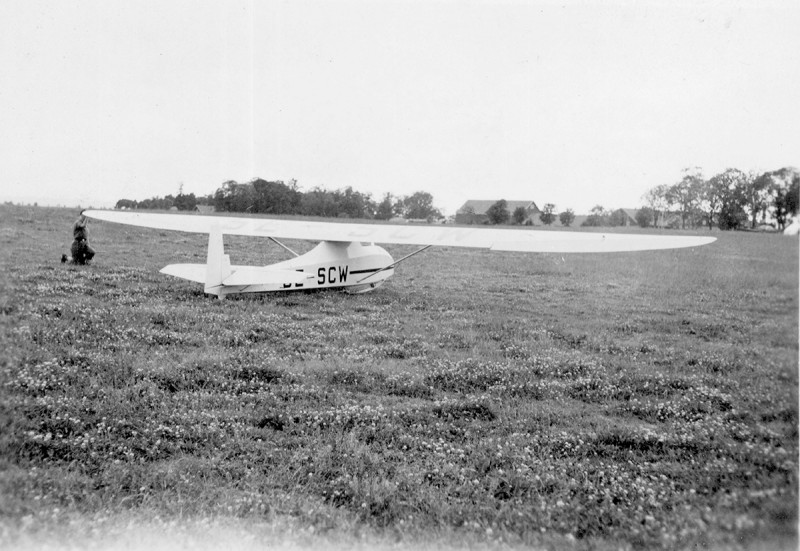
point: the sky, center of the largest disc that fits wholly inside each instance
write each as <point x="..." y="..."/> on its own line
<point x="571" y="103"/>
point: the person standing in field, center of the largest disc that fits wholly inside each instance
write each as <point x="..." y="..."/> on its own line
<point x="81" y="252"/>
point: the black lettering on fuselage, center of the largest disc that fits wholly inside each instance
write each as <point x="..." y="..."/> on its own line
<point x="331" y="275"/>
<point x="296" y="285"/>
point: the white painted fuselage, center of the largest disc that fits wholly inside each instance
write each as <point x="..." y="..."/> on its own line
<point x="354" y="266"/>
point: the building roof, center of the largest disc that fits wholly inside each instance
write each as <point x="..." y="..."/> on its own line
<point x="481" y="206"/>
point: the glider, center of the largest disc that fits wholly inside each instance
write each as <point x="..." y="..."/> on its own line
<point x="347" y="257"/>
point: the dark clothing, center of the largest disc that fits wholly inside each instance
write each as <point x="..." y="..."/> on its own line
<point x="80" y="231"/>
<point x="81" y="251"/>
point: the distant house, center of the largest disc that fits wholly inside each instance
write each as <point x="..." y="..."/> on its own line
<point x="474" y="211"/>
<point x="670" y="220"/>
<point x="205" y="209"/>
<point x="630" y="217"/>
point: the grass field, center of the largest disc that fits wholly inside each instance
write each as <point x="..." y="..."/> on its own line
<point x="637" y="400"/>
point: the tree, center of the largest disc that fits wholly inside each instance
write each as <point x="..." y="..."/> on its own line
<point x="318" y="202"/>
<point x="713" y="197"/>
<point x="206" y="199"/>
<point x="125" y="204"/>
<point x="420" y="206"/>
<point x="685" y="195"/>
<point x="354" y="204"/>
<point x="725" y="199"/>
<point x="599" y="217"/>
<point x="567" y="217"/>
<point x="519" y="215"/>
<point x="232" y="196"/>
<point x="645" y="217"/>
<point x="786" y="194"/>
<point x="731" y="216"/>
<point x="385" y="209"/>
<point x="758" y="195"/>
<point x="469" y="214"/>
<point x="185" y="202"/>
<point x="157" y="203"/>
<point x="275" y="197"/>
<point x="498" y="212"/>
<point x="547" y="216"/>
<point x="656" y="199"/>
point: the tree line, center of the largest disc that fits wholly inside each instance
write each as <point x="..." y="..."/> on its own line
<point x="729" y="200"/>
<point x="498" y="213"/>
<point x="278" y="197"/>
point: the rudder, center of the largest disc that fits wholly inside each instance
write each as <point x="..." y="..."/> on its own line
<point x="218" y="264"/>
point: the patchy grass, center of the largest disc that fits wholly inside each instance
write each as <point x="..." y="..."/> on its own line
<point x="597" y="401"/>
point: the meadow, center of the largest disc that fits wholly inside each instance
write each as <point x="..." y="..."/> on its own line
<point x="483" y="400"/>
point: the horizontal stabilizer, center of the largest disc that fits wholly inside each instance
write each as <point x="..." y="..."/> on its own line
<point x="252" y="275"/>
<point x="192" y="272"/>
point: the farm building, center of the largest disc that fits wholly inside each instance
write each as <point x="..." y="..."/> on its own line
<point x="205" y="209"/>
<point x="474" y="211"/>
<point x="630" y="217"/>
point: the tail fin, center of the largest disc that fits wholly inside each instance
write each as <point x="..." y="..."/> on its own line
<point x="218" y="264"/>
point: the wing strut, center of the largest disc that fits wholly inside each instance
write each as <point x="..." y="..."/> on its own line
<point x="282" y="245"/>
<point x="393" y="264"/>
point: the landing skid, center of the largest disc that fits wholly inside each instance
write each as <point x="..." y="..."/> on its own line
<point x="363" y="288"/>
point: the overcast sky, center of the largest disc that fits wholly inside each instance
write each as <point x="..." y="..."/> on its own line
<point x="575" y="104"/>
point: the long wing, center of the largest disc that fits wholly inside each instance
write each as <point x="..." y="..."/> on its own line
<point x="526" y="240"/>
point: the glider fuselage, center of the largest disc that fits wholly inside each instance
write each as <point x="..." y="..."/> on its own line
<point x="355" y="266"/>
<point x="331" y="264"/>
